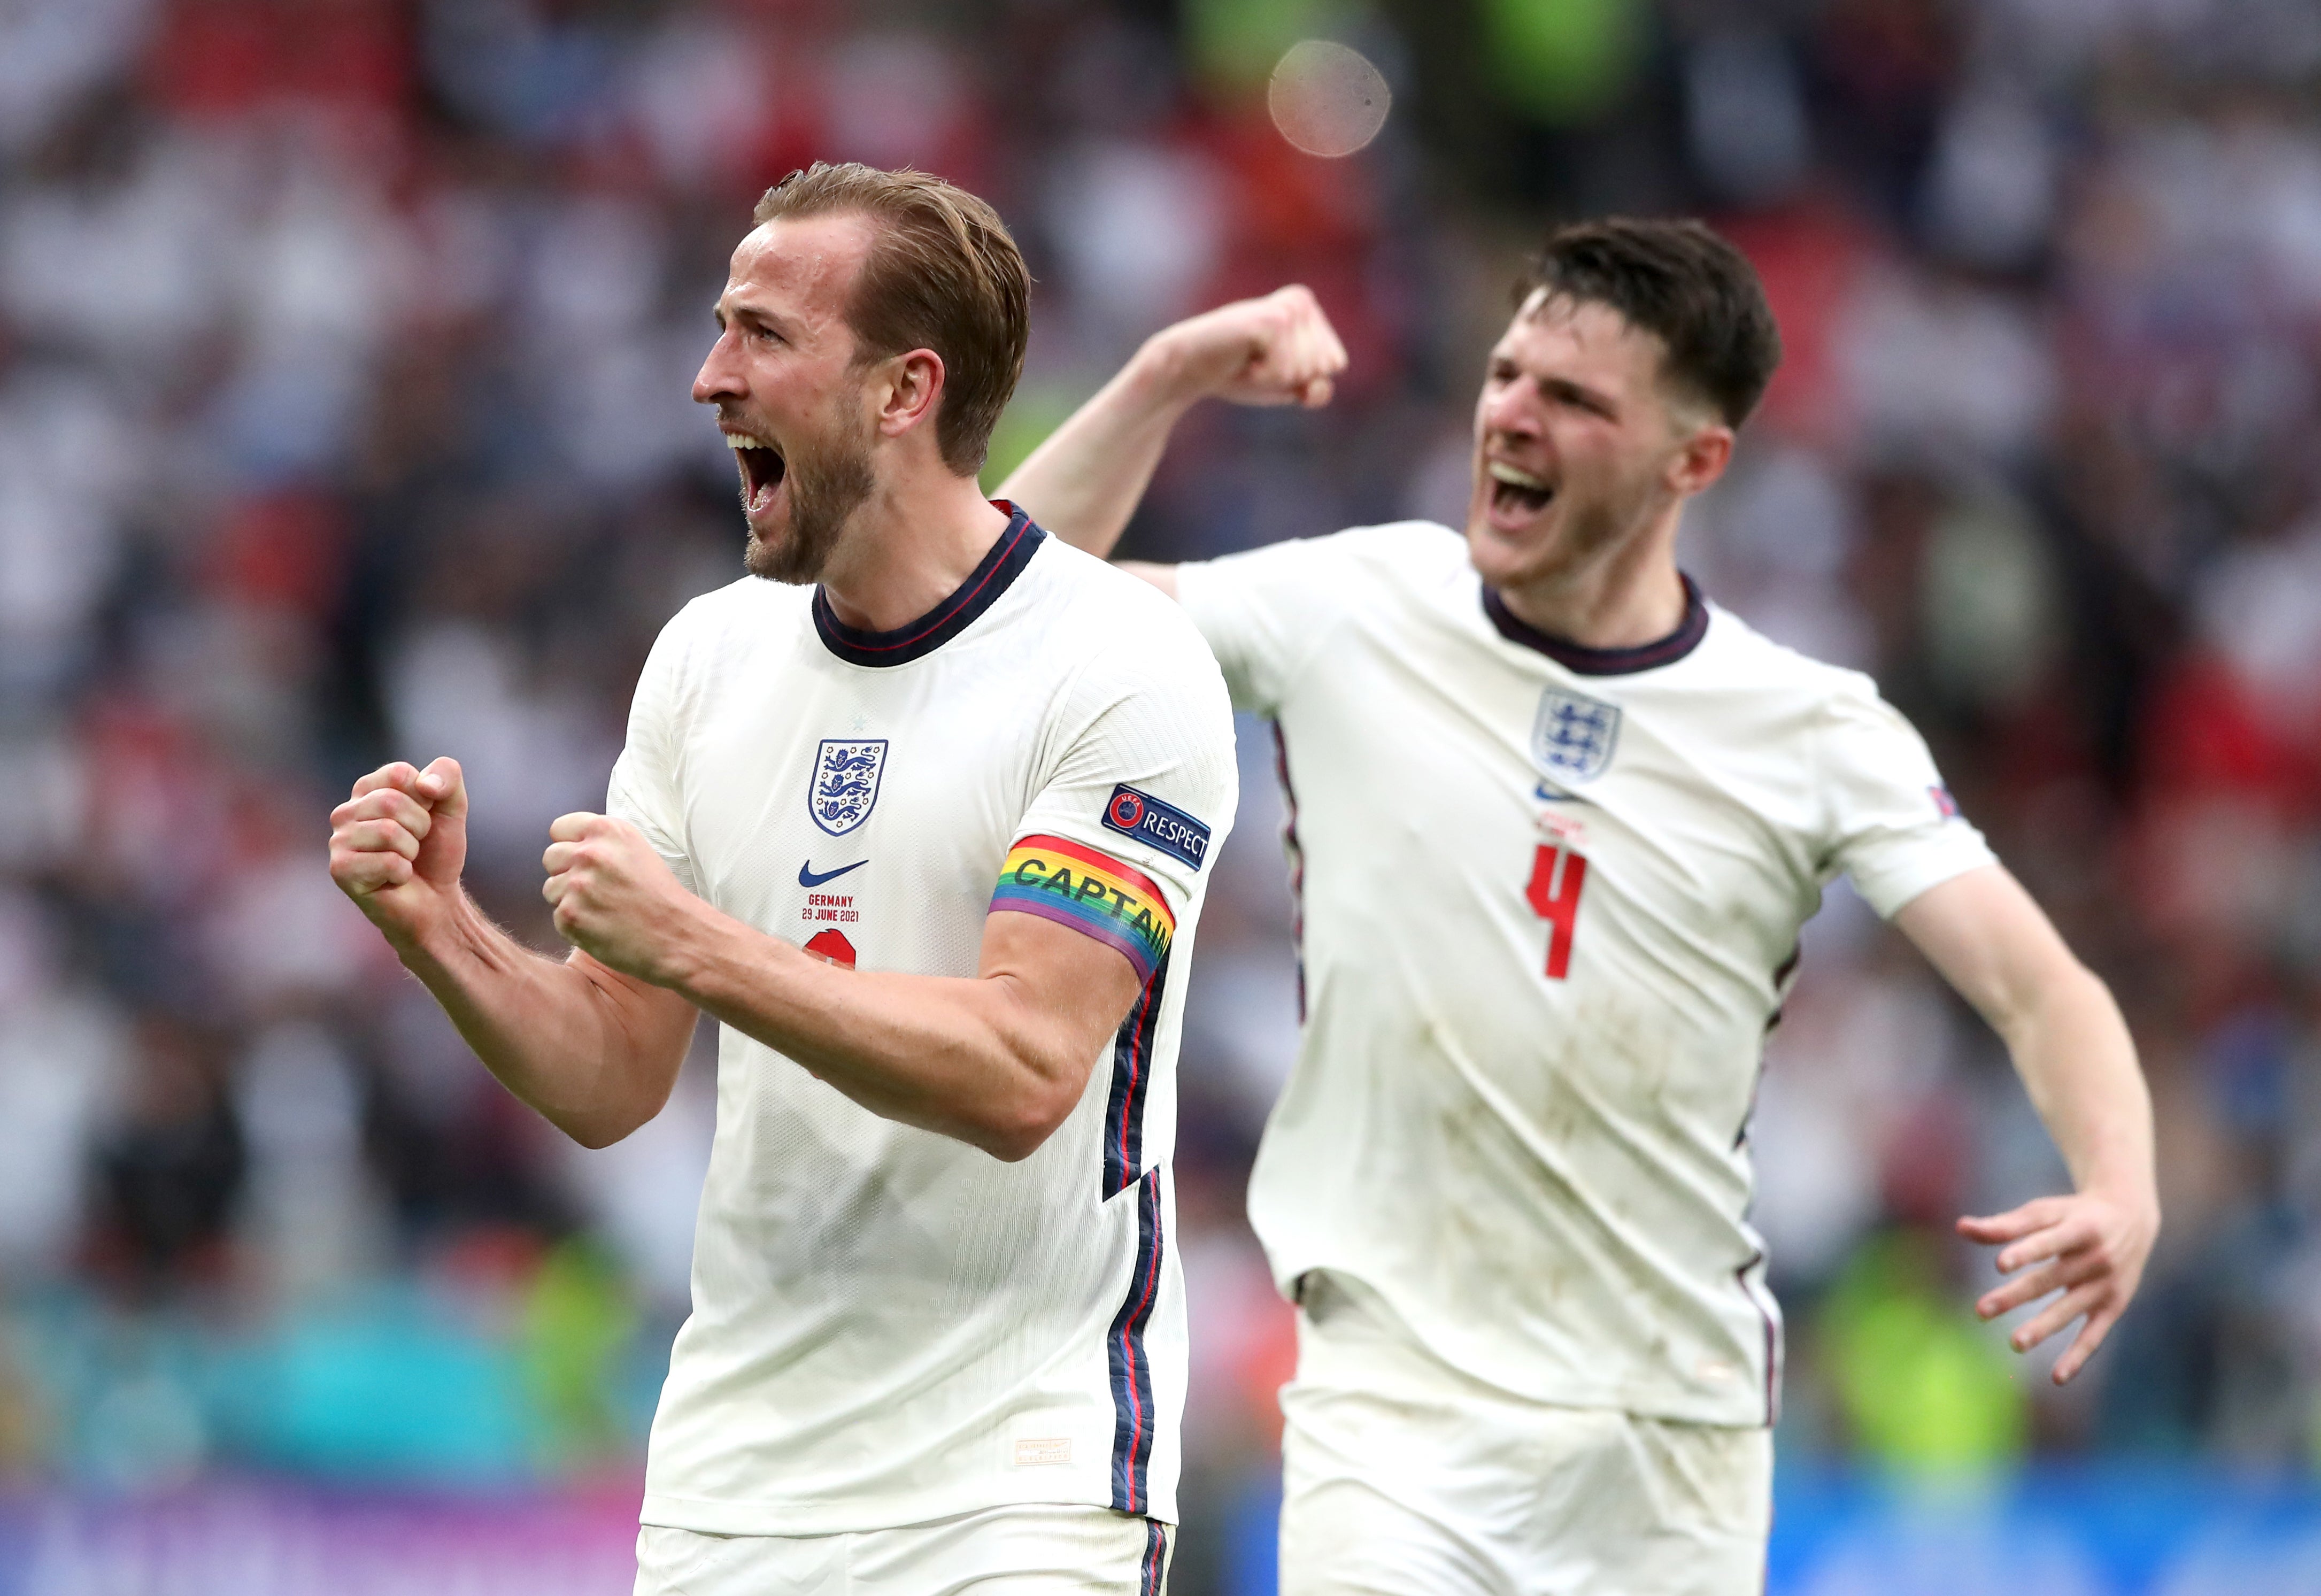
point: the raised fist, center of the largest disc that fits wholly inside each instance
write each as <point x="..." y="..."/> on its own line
<point x="1279" y="350"/>
<point x="398" y="843"/>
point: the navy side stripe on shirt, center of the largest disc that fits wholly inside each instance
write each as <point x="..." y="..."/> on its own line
<point x="1131" y="1075"/>
<point x="1131" y="1370"/>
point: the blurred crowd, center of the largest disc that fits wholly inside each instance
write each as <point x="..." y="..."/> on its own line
<point x="344" y="349"/>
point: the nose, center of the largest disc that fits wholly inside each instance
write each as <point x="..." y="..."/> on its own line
<point x="1509" y="410"/>
<point x="720" y="377"/>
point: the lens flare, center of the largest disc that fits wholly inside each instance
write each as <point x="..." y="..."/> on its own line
<point x="1326" y="98"/>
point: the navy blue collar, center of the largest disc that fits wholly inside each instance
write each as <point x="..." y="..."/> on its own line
<point x="1605" y="662"/>
<point x="915" y="640"/>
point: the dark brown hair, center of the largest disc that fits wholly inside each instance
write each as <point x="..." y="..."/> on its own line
<point x="1684" y="284"/>
<point x="942" y="274"/>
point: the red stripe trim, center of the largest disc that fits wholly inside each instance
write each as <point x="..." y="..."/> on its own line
<point x="1156" y="1546"/>
<point x="1136" y="1398"/>
<point x="957" y="602"/>
<point x="1105" y="862"/>
<point x="1144" y="1001"/>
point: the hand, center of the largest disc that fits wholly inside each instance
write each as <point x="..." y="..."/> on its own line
<point x="398" y="843"/>
<point x="2091" y="1248"/>
<point x="616" y="898"/>
<point x="1279" y="350"/>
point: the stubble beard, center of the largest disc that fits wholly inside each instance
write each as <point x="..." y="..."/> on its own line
<point x="825" y="487"/>
<point x="1590" y="529"/>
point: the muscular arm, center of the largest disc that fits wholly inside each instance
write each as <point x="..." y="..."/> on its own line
<point x="593" y="1044"/>
<point x="593" y="1051"/>
<point x="2069" y="1045"/>
<point x="1084" y="482"/>
<point x="997" y="1060"/>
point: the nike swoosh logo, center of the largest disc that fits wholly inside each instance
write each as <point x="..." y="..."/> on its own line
<point x="1544" y="793"/>
<point x="806" y="877"/>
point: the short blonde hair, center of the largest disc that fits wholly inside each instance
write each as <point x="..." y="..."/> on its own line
<point x="942" y="274"/>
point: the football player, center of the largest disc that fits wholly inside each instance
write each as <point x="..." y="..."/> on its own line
<point x="919" y="811"/>
<point x="1556" y="820"/>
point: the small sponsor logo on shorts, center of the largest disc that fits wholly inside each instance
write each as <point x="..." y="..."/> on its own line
<point x="1047" y="1452"/>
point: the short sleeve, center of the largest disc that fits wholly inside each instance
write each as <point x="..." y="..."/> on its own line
<point x="644" y="788"/>
<point x="1895" y="828"/>
<point x="1264" y="613"/>
<point x="1136" y="800"/>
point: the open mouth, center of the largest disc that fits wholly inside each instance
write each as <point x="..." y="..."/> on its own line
<point x="763" y="471"/>
<point x="1517" y="492"/>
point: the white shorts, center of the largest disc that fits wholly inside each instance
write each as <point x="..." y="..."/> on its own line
<point x="1404" y="1477"/>
<point x="1038" y="1550"/>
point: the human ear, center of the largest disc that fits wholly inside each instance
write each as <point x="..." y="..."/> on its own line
<point x="1701" y="459"/>
<point x="912" y="391"/>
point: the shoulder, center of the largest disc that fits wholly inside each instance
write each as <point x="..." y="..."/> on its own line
<point x="747" y="602"/>
<point x="1360" y="566"/>
<point x="1740" y="656"/>
<point x="1843" y="718"/>
<point x="1108" y="613"/>
<point x="743" y="609"/>
<point x="1399" y="548"/>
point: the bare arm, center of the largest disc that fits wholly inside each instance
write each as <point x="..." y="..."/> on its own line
<point x="2069" y="1045"/>
<point x="595" y="1051"/>
<point x="998" y="1060"/>
<point x="1084" y="482"/>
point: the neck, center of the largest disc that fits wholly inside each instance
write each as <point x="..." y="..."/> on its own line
<point x="1629" y="595"/>
<point x="911" y="544"/>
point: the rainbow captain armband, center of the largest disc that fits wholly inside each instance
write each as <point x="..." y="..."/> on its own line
<point x="1075" y="885"/>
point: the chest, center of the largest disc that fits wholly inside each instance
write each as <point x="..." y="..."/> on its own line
<point x="820" y="796"/>
<point x="1437" y="754"/>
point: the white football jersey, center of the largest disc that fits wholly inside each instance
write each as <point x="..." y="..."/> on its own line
<point x="890" y="1326"/>
<point x="1550" y="899"/>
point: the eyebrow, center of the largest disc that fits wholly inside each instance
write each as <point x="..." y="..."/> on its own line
<point x="1562" y="388"/>
<point x="747" y="313"/>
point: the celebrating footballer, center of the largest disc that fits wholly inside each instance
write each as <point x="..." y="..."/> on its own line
<point x="919" y="811"/>
<point x="1556" y="821"/>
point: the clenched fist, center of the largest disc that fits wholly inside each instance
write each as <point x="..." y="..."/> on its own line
<point x="1279" y="350"/>
<point x="614" y="898"/>
<point x="398" y="843"/>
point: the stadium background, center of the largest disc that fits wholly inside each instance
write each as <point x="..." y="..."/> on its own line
<point x="343" y="356"/>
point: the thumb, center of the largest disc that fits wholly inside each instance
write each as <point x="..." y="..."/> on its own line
<point x="444" y="787"/>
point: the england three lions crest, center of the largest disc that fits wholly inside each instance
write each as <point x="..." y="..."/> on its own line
<point x="1574" y="736"/>
<point x="845" y="782"/>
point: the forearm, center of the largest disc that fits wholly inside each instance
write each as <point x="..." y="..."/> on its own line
<point x="2073" y="1049"/>
<point x="1085" y="479"/>
<point x="577" y="1042"/>
<point x="965" y="1057"/>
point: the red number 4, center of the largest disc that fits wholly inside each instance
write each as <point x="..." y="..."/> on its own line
<point x="1556" y="875"/>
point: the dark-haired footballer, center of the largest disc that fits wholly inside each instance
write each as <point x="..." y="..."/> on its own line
<point x="1556" y="821"/>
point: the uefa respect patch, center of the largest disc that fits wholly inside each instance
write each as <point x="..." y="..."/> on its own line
<point x="1165" y="827"/>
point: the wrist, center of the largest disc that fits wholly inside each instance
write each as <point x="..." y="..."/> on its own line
<point x="696" y="950"/>
<point x="2132" y="1190"/>
<point x="1160" y="376"/>
<point x="456" y="933"/>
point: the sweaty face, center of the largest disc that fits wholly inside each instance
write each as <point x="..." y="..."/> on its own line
<point x="1574" y="435"/>
<point x="790" y="399"/>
